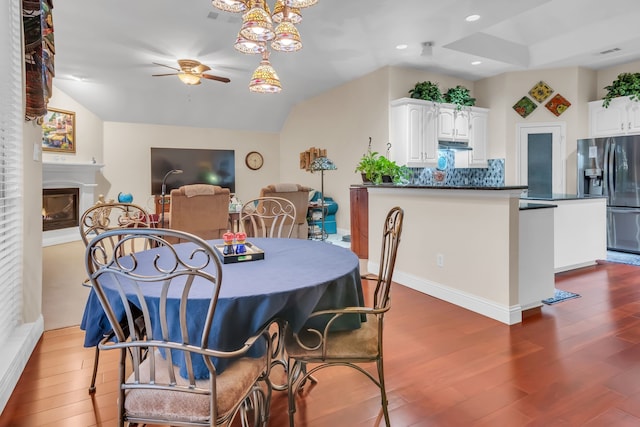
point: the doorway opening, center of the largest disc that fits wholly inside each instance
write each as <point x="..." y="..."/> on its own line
<point x="540" y="157"/>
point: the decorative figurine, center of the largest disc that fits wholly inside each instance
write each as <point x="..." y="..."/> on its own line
<point x="240" y="240"/>
<point x="228" y="243"/>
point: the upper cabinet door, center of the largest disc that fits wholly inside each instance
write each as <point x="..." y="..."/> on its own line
<point x="453" y="124"/>
<point x="478" y="138"/>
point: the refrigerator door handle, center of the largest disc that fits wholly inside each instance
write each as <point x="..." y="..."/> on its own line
<point x="610" y="166"/>
<point x="605" y="166"/>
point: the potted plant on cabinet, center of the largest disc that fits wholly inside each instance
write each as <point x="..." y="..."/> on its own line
<point x="627" y="84"/>
<point x="427" y="91"/>
<point x="459" y="96"/>
<point x="368" y="165"/>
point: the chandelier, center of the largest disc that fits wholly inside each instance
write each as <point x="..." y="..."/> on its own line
<point x="258" y="34"/>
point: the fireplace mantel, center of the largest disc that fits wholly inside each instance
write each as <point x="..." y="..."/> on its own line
<point x="67" y="174"/>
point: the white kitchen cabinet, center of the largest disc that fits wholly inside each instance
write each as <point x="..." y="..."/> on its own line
<point x="477" y="156"/>
<point x="453" y="124"/>
<point x="413" y="132"/>
<point x="622" y="117"/>
<point x="478" y="121"/>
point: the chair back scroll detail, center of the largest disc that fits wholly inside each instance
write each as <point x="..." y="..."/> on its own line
<point x="268" y="217"/>
<point x="155" y="392"/>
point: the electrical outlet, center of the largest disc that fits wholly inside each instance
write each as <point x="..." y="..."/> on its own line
<point x="440" y="260"/>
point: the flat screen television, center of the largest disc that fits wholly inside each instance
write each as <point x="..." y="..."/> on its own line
<point x="199" y="166"/>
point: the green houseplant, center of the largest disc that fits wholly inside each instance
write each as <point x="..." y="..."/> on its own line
<point x="429" y="91"/>
<point x="369" y="166"/>
<point x="627" y="84"/>
<point x="460" y="96"/>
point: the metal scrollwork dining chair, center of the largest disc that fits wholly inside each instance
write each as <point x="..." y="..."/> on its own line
<point x="268" y="217"/>
<point x="325" y="348"/>
<point x="100" y="218"/>
<point x="164" y="388"/>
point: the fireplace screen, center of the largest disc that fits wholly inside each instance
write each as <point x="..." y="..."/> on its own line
<point x="60" y="208"/>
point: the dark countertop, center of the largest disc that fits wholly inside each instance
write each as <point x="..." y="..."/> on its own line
<point x="557" y="196"/>
<point x="525" y="206"/>
<point x="444" y="187"/>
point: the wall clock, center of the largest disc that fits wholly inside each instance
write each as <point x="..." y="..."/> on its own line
<point x="254" y="160"/>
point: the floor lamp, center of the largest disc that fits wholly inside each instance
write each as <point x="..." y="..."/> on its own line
<point x="322" y="164"/>
<point x="164" y="191"/>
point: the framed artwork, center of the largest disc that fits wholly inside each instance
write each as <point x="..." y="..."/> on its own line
<point x="524" y="106"/>
<point x="59" y="131"/>
<point x="540" y="91"/>
<point x="558" y="105"/>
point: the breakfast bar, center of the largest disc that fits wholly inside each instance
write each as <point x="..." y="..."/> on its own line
<point x="465" y="245"/>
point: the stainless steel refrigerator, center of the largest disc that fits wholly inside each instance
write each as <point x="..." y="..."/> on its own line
<point x="611" y="167"/>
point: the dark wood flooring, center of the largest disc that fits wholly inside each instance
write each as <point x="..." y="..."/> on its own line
<point x="576" y="363"/>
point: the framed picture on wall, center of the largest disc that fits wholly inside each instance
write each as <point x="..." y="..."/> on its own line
<point x="59" y="131"/>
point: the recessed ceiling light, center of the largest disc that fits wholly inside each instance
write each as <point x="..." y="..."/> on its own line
<point x="476" y="63"/>
<point x="402" y="46"/>
<point x="472" y="18"/>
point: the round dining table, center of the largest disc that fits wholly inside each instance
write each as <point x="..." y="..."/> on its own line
<point x="295" y="278"/>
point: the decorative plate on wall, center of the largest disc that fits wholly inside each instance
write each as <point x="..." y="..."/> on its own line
<point x="525" y="106"/>
<point x="540" y="91"/>
<point x="558" y="105"/>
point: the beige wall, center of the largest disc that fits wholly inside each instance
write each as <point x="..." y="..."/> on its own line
<point x="128" y="164"/>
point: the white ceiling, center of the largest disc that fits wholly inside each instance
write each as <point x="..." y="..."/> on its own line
<point x="111" y="45"/>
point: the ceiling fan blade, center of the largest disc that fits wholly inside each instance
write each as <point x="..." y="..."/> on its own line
<point x="218" y="78"/>
<point x="170" y="74"/>
<point x="168" y="66"/>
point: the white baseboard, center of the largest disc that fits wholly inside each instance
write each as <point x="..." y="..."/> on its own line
<point x="15" y="355"/>
<point x="505" y="314"/>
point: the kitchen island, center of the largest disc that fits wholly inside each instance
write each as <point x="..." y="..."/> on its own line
<point x="464" y="245"/>
<point x="580" y="237"/>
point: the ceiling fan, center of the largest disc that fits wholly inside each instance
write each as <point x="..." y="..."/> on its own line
<point x="191" y="71"/>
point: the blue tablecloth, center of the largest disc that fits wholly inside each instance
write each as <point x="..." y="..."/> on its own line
<point x="295" y="278"/>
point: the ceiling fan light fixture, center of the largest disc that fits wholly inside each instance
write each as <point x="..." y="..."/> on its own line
<point x="264" y="78"/>
<point x="292" y="15"/>
<point x="235" y="6"/>
<point x="301" y="3"/>
<point x="287" y="38"/>
<point x="249" y="46"/>
<point x="257" y="24"/>
<point x="189" y="79"/>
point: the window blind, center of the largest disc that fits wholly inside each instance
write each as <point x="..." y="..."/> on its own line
<point x="11" y="122"/>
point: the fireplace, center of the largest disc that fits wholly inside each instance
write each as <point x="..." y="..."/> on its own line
<point x="60" y="208"/>
<point x="68" y="189"/>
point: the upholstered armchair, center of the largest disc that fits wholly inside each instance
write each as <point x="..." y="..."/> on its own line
<point x="299" y="196"/>
<point x="200" y="209"/>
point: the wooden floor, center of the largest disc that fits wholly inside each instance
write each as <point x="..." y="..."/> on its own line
<point x="576" y="363"/>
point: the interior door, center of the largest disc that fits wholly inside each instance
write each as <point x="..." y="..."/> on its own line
<point x="540" y="163"/>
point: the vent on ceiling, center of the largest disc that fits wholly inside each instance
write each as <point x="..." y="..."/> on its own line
<point x="605" y="52"/>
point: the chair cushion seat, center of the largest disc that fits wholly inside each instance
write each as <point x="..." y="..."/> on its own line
<point x="357" y="344"/>
<point x="232" y="385"/>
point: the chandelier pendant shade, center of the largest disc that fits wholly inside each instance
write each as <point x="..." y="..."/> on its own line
<point x="257" y="35"/>
<point x="234" y="6"/>
<point x="257" y="24"/>
<point x="265" y="79"/>
<point x="292" y="14"/>
<point x="287" y="38"/>
<point x="249" y="46"/>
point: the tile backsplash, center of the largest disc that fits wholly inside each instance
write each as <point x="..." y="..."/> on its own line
<point x="448" y="175"/>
